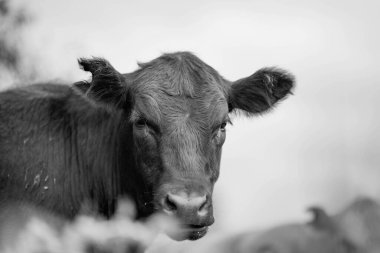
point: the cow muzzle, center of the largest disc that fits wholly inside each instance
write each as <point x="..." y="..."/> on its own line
<point x="193" y="210"/>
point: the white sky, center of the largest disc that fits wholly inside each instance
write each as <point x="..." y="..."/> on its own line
<point x="322" y="145"/>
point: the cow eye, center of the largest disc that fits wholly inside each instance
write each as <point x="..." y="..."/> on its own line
<point x="141" y="123"/>
<point x="223" y="126"/>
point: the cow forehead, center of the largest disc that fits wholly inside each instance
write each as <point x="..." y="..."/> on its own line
<point x="172" y="111"/>
<point x="177" y="87"/>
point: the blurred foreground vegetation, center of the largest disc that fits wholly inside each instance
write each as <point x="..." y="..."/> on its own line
<point x="27" y="229"/>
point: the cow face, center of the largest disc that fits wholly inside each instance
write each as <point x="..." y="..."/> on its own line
<point x="178" y="109"/>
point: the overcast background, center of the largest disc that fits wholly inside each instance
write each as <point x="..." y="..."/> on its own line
<point x="321" y="146"/>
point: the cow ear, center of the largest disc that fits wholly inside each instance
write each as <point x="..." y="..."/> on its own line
<point x="321" y="220"/>
<point x="107" y="84"/>
<point x="261" y="91"/>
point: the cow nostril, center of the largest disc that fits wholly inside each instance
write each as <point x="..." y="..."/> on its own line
<point x="203" y="205"/>
<point x="202" y="210"/>
<point x="169" y="204"/>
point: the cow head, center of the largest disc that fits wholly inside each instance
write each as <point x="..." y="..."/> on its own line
<point x="321" y="234"/>
<point x="178" y="108"/>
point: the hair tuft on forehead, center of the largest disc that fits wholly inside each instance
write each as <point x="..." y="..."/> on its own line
<point x="180" y="74"/>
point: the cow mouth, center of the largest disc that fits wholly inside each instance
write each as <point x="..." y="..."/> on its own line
<point x="197" y="232"/>
<point x="189" y="232"/>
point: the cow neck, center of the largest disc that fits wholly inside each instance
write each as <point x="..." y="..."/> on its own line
<point x="97" y="138"/>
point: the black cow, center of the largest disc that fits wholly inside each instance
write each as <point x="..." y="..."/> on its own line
<point x="154" y="135"/>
